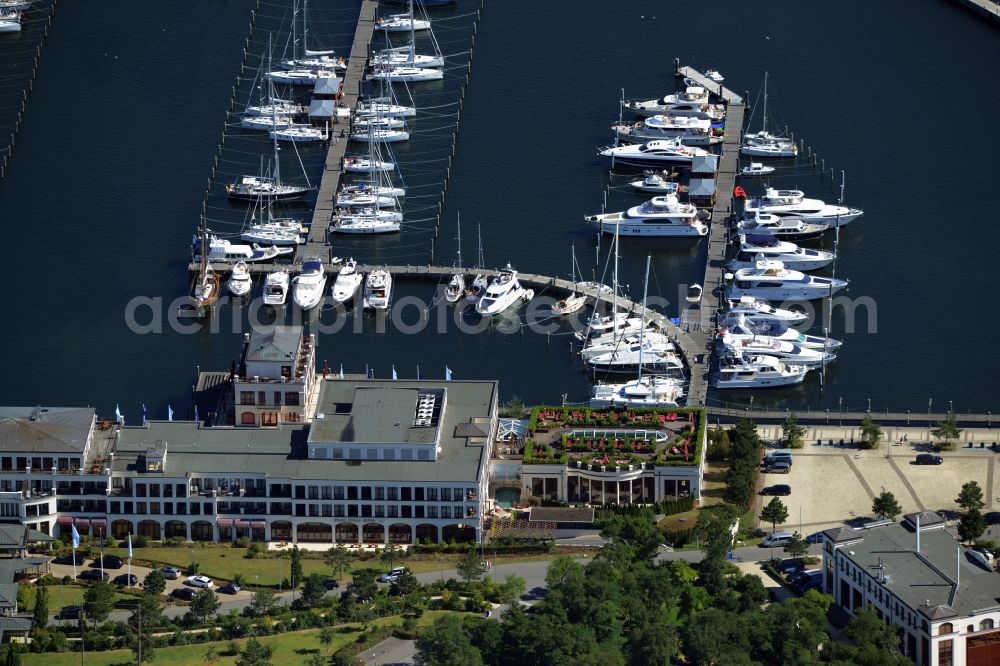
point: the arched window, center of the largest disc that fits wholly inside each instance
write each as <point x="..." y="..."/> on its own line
<point x="248" y="418"/>
<point x="945" y="628"/>
<point x="986" y="624"/>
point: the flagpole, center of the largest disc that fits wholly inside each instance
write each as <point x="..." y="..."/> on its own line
<point x="74" y="561"/>
<point x="101" y="537"/>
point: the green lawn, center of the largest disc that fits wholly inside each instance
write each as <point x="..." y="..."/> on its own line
<point x="62" y="595"/>
<point x="291" y="648"/>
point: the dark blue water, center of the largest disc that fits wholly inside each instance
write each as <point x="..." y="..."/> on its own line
<point x="117" y="147"/>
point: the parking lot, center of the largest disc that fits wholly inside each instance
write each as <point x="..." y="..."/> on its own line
<point x="831" y="485"/>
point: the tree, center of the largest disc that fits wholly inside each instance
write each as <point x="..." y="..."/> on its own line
<point x="796" y="546"/>
<point x="971" y="496"/>
<point x="390" y="554"/>
<point x="871" y="642"/>
<point x="871" y="432"/>
<point x="255" y="653"/>
<point x="98" y="601"/>
<point x="41" y="609"/>
<point x="715" y="534"/>
<point x="405" y="584"/>
<point x="296" y="571"/>
<point x="513" y="408"/>
<point x="885" y="505"/>
<point x="317" y="660"/>
<point x="10" y="654"/>
<point x="471" y="566"/>
<point x="204" y="605"/>
<point x="154" y="583"/>
<point x="775" y="513"/>
<point x="326" y="636"/>
<point x="744" y="463"/>
<point x="363" y="583"/>
<point x="263" y="601"/>
<point x="971" y="525"/>
<point x="792" y="431"/>
<point x="445" y="643"/>
<point x="718" y="445"/>
<point x="313" y="590"/>
<point x="948" y="429"/>
<point x="653" y="644"/>
<point x="148" y="614"/>
<point x="511" y="589"/>
<point x="638" y="532"/>
<point x="339" y="559"/>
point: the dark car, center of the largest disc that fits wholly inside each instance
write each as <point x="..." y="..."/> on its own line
<point x="928" y="459"/>
<point x="69" y="613"/>
<point x="792" y="565"/>
<point x="331" y="584"/>
<point x="109" y="562"/>
<point x="815" y="537"/>
<point x="229" y="588"/>
<point x="93" y="574"/>
<point x="779" y="489"/>
<point x="183" y="593"/>
<point x="69" y="558"/>
<point x="780" y="467"/>
<point x="807" y="580"/>
<point x="127" y="580"/>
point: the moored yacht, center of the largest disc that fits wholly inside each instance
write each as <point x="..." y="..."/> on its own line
<point x="649" y="355"/>
<point x="740" y="327"/>
<point x="737" y="371"/>
<point x="771" y="281"/>
<point x="455" y="289"/>
<point x="362" y="199"/>
<point x="765" y="144"/>
<point x="755" y="248"/>
<point x="361" y="164"/>
<point x="652" y="153"/>
<point x="783" y="228"/>
<point x="220" y="249"/>
<point x="691" y="131"/>
<point x="404" y="55"/>
<point x="277" y="107"/>
<point x="401" y="23"/>
<point x="251" y="188"/>
<point x="347" y="283"/>
<point x="612" y="342"/>
<point x="646" y="391"/>
<point x="299" y="134"/>
<point x="692" y="101"/>
<point x="660" y="216"/>
<point x="662" y="182"/>
<point x="364" y="123"/>
<point x="239" y="281"/>
<point x="266" y="123"/>
<point x="308" y="286"/>
<point x="788" y="352"/>
<point x="503" y="292"/>
<point x="384" y="109"/>
<point x="378" y="290"/>
<point x="382" y="135"/>
<point x="793" y="203"/>
<point x="756" y="169"/>
<point x="405" y="74"/>
<point x="300" y="76"/>
<point x="755" y="310"/>
<point x="276" y="288"/>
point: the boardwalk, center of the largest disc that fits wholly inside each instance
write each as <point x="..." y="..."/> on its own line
<point x="718" y="89"/>
<point x="317" y="242"/>
<point x="835" y="417"/>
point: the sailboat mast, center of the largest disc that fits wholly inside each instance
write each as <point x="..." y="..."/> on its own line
<point x="459" y="239"/>
<point x="614" y="280"/>
<point x="413" y="36"/>
<point x="763" y="123"/>
<point x="642" y="323"/>
<point x="305" y="29"/>
<point x="295" y="35"/>
<point x="479" y="234"/>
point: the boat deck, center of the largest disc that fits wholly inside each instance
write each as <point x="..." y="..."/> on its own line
<point x="317" y="242"/>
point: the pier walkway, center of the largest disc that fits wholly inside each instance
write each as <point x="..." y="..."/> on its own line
<point x="725" y="94"/>
<point x="988" y="9"/>
<point x="317" y="242"/>
<point x="834" y="417"/>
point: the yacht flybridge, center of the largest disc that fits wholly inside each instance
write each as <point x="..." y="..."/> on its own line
<point x="347" y="283"/>
<point x="690" y="130"/>
<point x="692" y="101"/>
<point x="660" y="216"/>
<point x="793" y="203"/>
<point x="755" y="248"/>
<point x="647" y="391"/>
<point x="308" y="286"/>
<point x="771" y="281"/>
<point x="755" y="310"/>
<point x="739" y="371"/>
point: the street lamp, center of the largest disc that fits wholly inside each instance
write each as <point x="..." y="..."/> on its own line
<point x="930" y="402"/>
<point x="950" y="409"/>
<point x="840" y="409"/>
<point x="869" y="405"/>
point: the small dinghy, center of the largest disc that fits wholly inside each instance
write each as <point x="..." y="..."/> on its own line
<point x="694" y="293"/>
<point x="714" y="75"/>
<point x="756" y="169"/>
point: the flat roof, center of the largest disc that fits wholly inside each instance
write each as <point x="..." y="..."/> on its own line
<point x="45" y="429"/>
<point x="925" y="581"/>
<point x="369" y="414"/>
<point x="561" y="514"/>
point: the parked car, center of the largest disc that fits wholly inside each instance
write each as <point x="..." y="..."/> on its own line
<point x="792" y="565"/>
<point x="69" y="613"/>
<point x="93" y="574"/>
<point x="392" y="576"/>
<point x="780" y="467"/>
<point x="775" y="456"/>
<point x="129" y="580"/>
<point x="199" y="581"/>
<point x="69" y="558"/>
<point x="815" y="537"/>
<point x="928" y="459"/>
<point x="776" y="540"/>
<point x="171" y="573"/>
<point x="230" y="588"/>
<point x="331" y="584"/>
<point x="779" y="489"/>
<point x="109" y="562"/>
<point x="807" y="580"/>
<point x="183" y="593"/>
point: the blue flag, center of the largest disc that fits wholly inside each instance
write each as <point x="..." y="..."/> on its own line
<point x="394" y="377"/>
<point x="144" y="413"/>
<point x="118" y="414"/>
<point x="196" y="413"/>
<point x="76" y="536"/>
<point x="170" y="413"/>
<point x="130" y="544"/>
<point x="447" y="373"/>
<point x="418" y="374"/>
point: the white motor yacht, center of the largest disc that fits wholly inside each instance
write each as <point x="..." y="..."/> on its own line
<point x="692" y="101"/>
<point x="347" y="282"/>
<point x="757" y="169"/>
<point x="649" y="355"/>
<point x="737" y="371"/>
<point x="662" y="182"/>
<point x="503" y="292"/>
<point x="309" y="285"/>
<point x="714" y="75"/>
<point x="360" y="164"/>
<point x="299" y="134"/>
<point x="220" y="249"/>
<point x="783" y="228"/>
<point x="401" y="23"/>
<point x="691" y="131"/>
<point x="753" y="248"/>
<point x="660" y="216"/>
<point x="643" y="392"/>
<point x="771" y="281"/>
<point x="652" y="153"/>
<point x="378" y="290"/>
<point x="793" y="203"/>
<point x="759" y="311"/>
<point x="789" y="352"/>
<point x="478" y="287"/>
<point x="405" y="74"/>
<point x="239" y="281"/>
<point x="740" y="327"/>
<point x="276" y="288"/>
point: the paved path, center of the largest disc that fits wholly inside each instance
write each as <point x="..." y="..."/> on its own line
<point x="390" y="652"/>
<point x="860" y="476"/>
<point x="906" y="482"/>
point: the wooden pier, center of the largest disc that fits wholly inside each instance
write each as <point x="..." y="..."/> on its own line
<point x="317" y="242"/>
<point x="717" y="89"/>
<point x="988" y="9"/>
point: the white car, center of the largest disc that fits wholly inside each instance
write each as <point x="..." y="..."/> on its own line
<point x="199" y="581"/>
<point x="392" y="576"/>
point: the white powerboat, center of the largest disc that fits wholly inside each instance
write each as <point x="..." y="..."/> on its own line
<point x="694" y="293"/>
<point x="660" y="216"/>
<point x="380" y="135"/>
<point x="239" y="281"/>
<point x="771" y="281"/>
<point x="10" y="22"/>
<point x="276" y="288"/>
<point x="220" y="249"/>
<point x="378" y="290"/>
<point x="405" y="74"/>
<point x="401" y="23"/>
<point x="360" y="164"/>
<point x="759" y="311"/>
<point x="737" y="371"/>
<point x="789" y="352"/>
<point x="652" y="153"/>
<point x="299" y="134"/>
<point x="662" y="182"/>
<point x="691" y="131"/>
<point x="503" y="292"/>
<point x="755" y="248"/>
<point x="714" y="75"/>
<point x="347" y="283"/>
<point x="649" y="355"/>
<point x="757" y="169"/>
<point x="783" y="228"/>
<point x="643" y="392"/>
<point x="740" y="327"/>
<point x="478" y="287"/>
<point x="692" y="101"/>
<point x="308" y="286"/>
<point x="793" y="203"/>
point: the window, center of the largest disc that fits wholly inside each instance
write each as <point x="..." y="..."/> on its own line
<point x="140" y="508"/>
<point x="379" y="493"/>
<point x="418" y="511"/>
<point x="352" y="510"/>
<point x="154" y="507"/>
<point x="379" y="511"/>
<point x="248" y="418"/>
<point x="405" y="493"/>
<point x="286" y="371"/>
<point x="372" y="454"/>
<point x="446" y="512"/>
<point x="418" y="494"/>
<point x="945" y="628"/>
<point x="393" y="511"/>
<point x="338" y="492"/>
<point x="985" y="624"/>
<point x="140" y="490"/>
<point x="354" y="454"/>
<point x="366" y="510"/>
<point x="277" y="398"/>
<point x="269" y="419"/>
<point x="945" y="653"/>
<point x="313" y="492"/>
<point x="291" y="398"/>
<point x="196" y="508"/>
<point x="327" y="493"/>
<point x="292" y="417"/>
<point x="389" y="454"/>
<point x="393" y="494"/>
<point x="446" y="494"/>
<point x="407" y="511"/>
<point x="432" y="512"/>
<point x="457" y="495"/>
<point x="423" y="454"/>
<point x="338" y="510"/>
<point x="366" y="492"/>
<point x="246" y="397"/>
<point x="432" y="494"/>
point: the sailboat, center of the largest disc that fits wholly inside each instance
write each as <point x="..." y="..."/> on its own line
<point x="311" y="59"/>
<point x="10" y="21"/>
<point x="456" y="286"/>
<point x="765" y="144"/>
<point x="205" y="291"/>
<point x="481" y="281"/>
<point x="574" y="301"/>
<point x="256" y="188"/>
<point x="306" y="69"/>
<point x="402" y="65"/>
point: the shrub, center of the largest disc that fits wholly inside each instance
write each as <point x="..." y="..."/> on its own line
<point x="173" y="542"/>
<point x="243" y="542"/>
<point x="944" y="446"/>
<point x="140" y="541"/>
